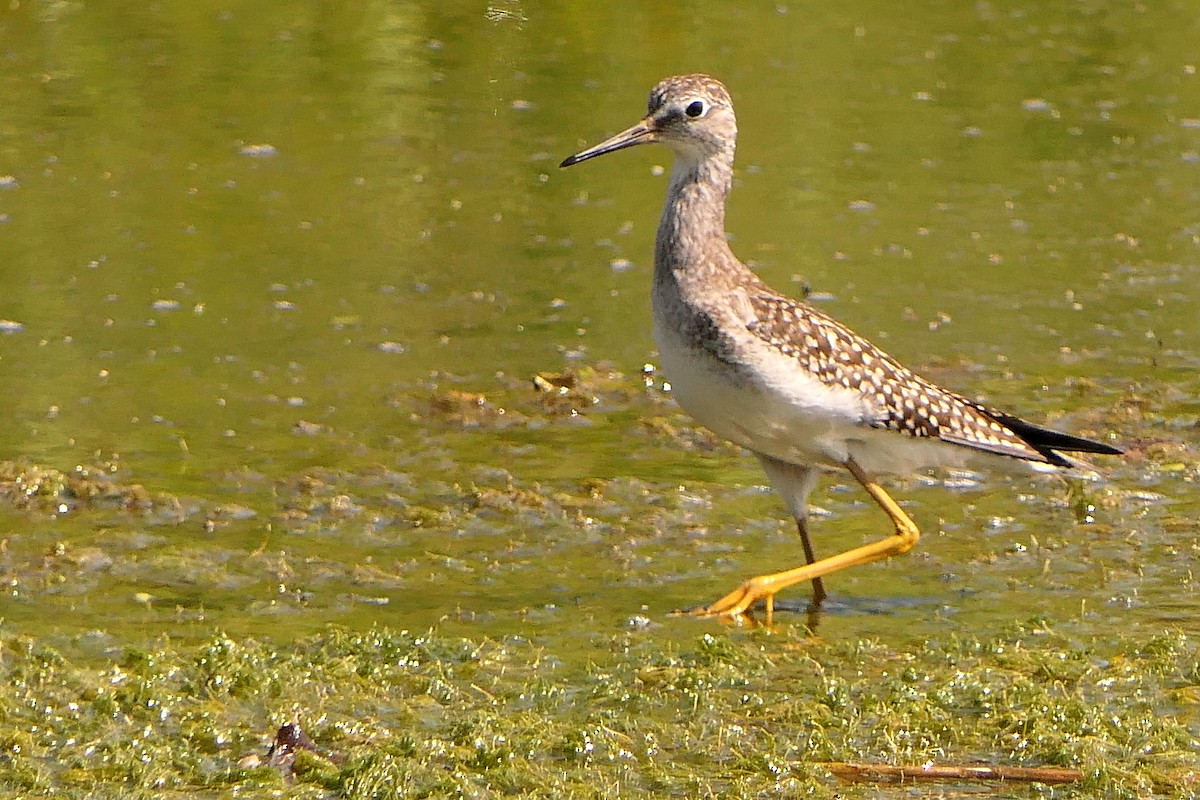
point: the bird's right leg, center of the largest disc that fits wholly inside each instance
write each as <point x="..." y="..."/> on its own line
<point x="794" y="483"/>
<point x="818" y="585"/>
<point x="764" y="587"/>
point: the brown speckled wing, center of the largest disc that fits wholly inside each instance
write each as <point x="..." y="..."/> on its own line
<point x="904" y="401"/>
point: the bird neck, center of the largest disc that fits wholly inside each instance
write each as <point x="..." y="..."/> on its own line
<point x="691" y="234"/>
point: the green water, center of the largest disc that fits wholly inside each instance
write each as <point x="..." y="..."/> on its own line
<point x="247" y="244"/>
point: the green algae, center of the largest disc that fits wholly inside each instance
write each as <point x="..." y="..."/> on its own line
<point x="730" y="714"/>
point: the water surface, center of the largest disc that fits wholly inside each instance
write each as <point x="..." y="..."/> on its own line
<point x="292" y="271"/>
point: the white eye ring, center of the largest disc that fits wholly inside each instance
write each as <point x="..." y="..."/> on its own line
<point x="696" y="109"/>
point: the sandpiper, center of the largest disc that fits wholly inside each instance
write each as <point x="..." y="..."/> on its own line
<point x="801" y="391"/>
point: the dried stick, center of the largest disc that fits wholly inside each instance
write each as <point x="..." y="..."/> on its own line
<point x="950" y="772"/>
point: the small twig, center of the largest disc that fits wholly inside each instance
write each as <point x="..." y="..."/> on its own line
<point x="950" y="772"/>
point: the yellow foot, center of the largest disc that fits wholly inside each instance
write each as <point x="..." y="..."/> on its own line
<point x="735" y="606"/>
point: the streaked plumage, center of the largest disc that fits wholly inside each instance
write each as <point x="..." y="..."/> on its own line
<point x="799" y="389"/>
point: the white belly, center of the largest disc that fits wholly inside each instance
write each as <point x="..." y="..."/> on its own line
<point x="777" y="409"/>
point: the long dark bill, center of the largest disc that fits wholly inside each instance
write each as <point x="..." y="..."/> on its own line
<point x="642" y="133"/>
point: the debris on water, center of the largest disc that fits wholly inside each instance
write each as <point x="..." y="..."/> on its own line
<point x="468" y="409"/>
<point x="290" y="743"/>
<point x="638" y="622"/>
<point x="305" y="428"/>
<point x="563" y="394"/>
<point x="11" y="326"/>
<point x="370" y="601"/>
<point x="683" y="434"/>
<point x="165" y="305"/>
<point x="343" y="505"/>
<point x="601" y="380"/>
<point x="33" y="487"/>
<point x="258" y="150"/>
<point x="1039" y="105"/>
<point x="233" y="511"/>
<point x="508" y="11"/>
<point x="562" y="383"/>
<point x="951" y="773"/>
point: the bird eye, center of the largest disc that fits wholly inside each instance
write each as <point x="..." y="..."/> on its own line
<point x="696" y="108"/>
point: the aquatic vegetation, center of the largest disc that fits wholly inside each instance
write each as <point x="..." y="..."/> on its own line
<point x="393" y="713"/>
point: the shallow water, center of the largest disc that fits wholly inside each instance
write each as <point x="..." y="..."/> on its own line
<point x="264" y="263"/>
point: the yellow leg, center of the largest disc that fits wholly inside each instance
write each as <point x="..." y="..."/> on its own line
<point x="764" y="587"/>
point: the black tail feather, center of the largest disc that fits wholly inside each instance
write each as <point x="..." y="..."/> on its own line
<point x="1046" y="441"/>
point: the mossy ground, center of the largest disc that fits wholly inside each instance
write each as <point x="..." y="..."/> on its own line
<point x="732" y="714"/>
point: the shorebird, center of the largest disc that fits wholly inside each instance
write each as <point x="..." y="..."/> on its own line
<point x="800" y="390"/>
